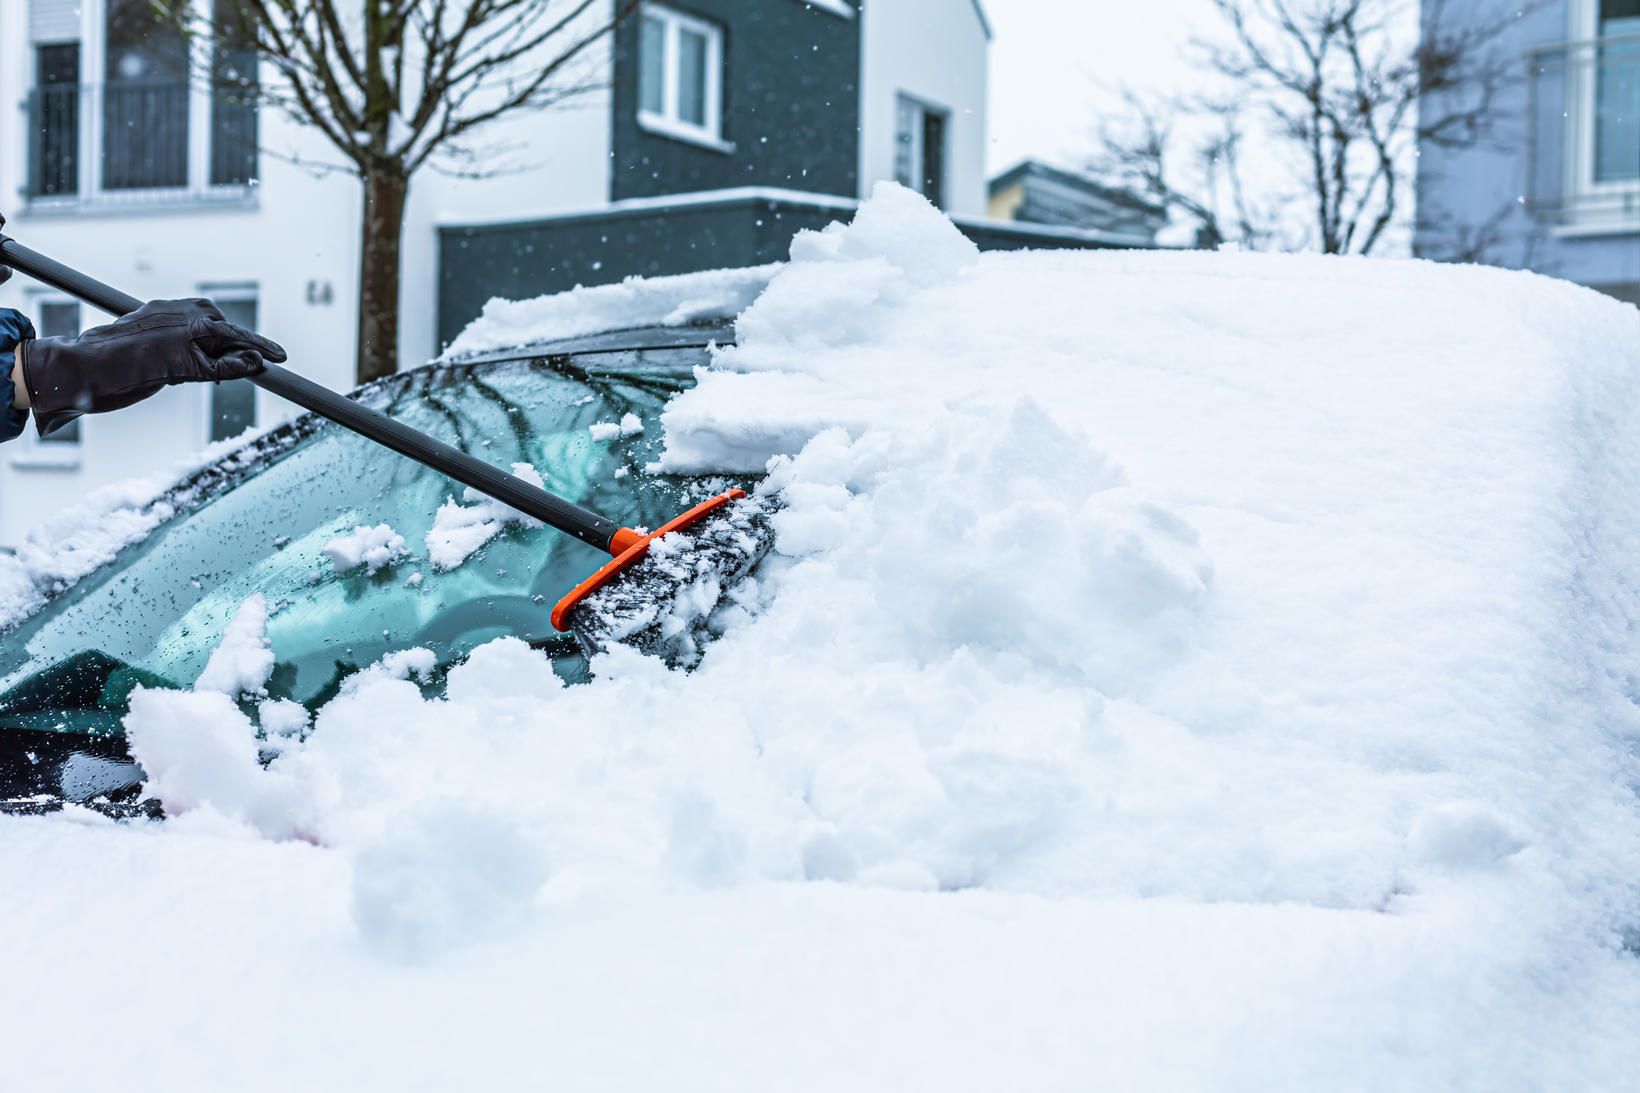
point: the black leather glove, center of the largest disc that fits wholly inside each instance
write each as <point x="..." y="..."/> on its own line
<point x="110" y="367"/>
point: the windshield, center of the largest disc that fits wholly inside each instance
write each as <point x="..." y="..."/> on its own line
<point x="153" y="616"/>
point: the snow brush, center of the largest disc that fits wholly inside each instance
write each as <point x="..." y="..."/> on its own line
<point x="659" y="591"/>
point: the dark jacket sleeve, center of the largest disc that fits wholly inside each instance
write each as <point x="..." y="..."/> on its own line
<point x="14" y="327"/>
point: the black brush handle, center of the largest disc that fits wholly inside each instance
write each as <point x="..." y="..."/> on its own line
<point x="566" y="516"/>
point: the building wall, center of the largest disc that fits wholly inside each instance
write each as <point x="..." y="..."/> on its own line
<point x="1460" y="191"/>
<point x="790" y="104"/>
<point x="295" y="243"/>
<point x="936" y="51"/>
<point x="1006" y="201"/>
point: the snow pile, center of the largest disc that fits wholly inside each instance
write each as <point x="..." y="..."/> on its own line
<point x="200" y="751"/>
<point x="243" y="661"/>
<point x="1255" y="626"/>
<point x="460" y="529"/>
<point x="629" y="425"/>
<point x="372" y="547"/>
<point x="656" y="301"/>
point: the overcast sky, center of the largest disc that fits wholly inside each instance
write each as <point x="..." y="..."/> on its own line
<point x="1048" y="54"/>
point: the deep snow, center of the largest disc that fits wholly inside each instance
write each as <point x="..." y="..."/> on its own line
<point x="1179" y="671"/>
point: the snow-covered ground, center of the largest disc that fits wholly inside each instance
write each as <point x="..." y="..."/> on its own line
<point x="1180" y="671"/>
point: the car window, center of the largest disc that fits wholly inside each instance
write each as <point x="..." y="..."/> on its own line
<point x="155" y="614"/>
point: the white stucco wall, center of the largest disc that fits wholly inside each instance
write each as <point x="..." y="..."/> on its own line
<point x="549" y="162"/>
<point x="935" y="51"/>
<point x="302" y="228"/>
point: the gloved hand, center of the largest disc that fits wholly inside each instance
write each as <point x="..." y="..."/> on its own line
<point x="110" y="367"/>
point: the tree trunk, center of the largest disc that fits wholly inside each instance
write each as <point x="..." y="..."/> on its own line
<point x="379" y="259"/>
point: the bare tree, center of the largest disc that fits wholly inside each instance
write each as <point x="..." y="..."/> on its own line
<point x="396" y="85"/>
<point x="1335" y="96"/>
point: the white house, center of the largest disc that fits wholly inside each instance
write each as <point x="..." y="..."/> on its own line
<point x="112" y="160"/>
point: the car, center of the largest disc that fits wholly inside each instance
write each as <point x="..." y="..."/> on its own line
<point x="258" y="520"/>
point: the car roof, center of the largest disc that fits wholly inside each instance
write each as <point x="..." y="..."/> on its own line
<point x="636" y="339"/>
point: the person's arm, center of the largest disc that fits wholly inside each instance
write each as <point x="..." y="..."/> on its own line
<point x="14" y="330"/>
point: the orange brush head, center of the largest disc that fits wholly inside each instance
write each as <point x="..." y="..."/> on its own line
<point x="629" y="547"/>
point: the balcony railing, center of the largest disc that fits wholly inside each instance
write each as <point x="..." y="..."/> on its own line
<point x="1584" y="131"/>
<point x="141" y="142"/>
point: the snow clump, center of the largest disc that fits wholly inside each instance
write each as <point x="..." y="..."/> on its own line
<point x="460" y="529"/>
<point x="372" y="547"/>
<point x="629" y="425"/>
<point x="200" y="752"/>
<point x="243" y="660"/>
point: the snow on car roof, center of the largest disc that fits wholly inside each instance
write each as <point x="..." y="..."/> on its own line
<point x="689" y="299"/>
<point x="1180" y="669"/>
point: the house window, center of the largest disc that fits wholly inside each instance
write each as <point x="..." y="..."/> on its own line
<point x="145" y="99"/>
<point x="1617" y="93"/>
<point x="231" y="408"/>
<point x="919" y="148"/>
<point x="57" y="318"/>
<point x="54" y="122"/>
<point x="235" y="87"/>
<point x="680" y="76"/>
<point x="145" y="122"/>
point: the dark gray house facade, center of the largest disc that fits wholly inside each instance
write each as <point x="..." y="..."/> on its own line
<point x="734" y="124"/>
<point x="789" y="103"/>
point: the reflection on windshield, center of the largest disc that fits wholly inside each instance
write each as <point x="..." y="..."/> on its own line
<point x="153" y="617"/>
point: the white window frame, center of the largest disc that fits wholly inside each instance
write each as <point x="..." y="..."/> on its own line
<point x="668" y="122"/>
<point x="1584" y="34"/>
<point x="31" y="452"/>
<point x="227" y="292"/>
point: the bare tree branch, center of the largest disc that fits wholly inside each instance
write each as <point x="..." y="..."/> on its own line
<point x="1333" y="97"/>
